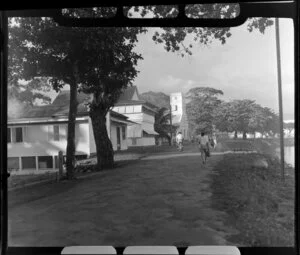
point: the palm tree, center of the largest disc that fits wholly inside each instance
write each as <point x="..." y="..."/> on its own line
<point x="162" y="123"/>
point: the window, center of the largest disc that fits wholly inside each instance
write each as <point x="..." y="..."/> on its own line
<point x="56" y="133"/>
<point x="129" y="109"/>
<point x="13" y="163"/>
<point x="45" y="162"/>
<point x="56" y="162"/>
<point x="9" y="135"/>
<point x="123" y="132"/>
<point x="133" y="141"/>
<point x="15" y="135"/>
<point x="19" y="135"/>
<point x="28" y="163"/>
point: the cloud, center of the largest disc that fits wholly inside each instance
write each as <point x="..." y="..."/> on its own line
<point x="169" y="81"/>
<point x="169" y="84"/>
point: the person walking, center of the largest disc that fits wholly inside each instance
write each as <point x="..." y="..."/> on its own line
<point x="179" y="140"/>
<point x="214" y="137"/>
<point x="204" y="147"/>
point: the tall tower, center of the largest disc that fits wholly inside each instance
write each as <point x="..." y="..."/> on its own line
<point x="179" y="116"/>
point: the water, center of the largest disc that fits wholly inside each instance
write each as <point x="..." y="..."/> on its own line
<point x="289" y="154"/>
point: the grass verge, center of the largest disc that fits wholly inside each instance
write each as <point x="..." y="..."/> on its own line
<point x="259" y="204"/>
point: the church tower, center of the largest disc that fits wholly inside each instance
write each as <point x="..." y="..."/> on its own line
<point x="179" y="116"/>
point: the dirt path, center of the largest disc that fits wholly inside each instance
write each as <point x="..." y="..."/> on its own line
<point x="148" y="202"/>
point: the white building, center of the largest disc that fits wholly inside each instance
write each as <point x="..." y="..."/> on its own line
<point x="179" y="116"/>
<point x="140" y="133"/>
<point x="36" y="137"/>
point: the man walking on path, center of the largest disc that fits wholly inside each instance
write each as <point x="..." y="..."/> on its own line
<point x="179" y="140"/>
<point x="204" y="146"/>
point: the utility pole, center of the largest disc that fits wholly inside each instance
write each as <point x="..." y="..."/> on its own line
<point x="171" y="141"/>
<point x="280" y="97"/>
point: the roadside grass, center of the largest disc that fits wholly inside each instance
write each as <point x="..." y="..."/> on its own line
<point x="21" y="180"/>
<point x="259" y="204"/>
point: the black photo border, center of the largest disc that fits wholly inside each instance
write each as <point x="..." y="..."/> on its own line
<point x="254" y="8"/>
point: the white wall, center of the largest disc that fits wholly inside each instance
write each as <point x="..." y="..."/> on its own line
<point x="112" y="134"/>
<point x="134" y="130"/>
<point x="143" y="141"/>
<point x="39" y="142"/>
<point x="176" y="100"/>
<point x="114" y="137"/>
<point x="135" y="117"/>
<point x="143" y="120"/>
<point x="128" y="109"/>
<point x="91" y="138"/>
<point x="148" y="118"/>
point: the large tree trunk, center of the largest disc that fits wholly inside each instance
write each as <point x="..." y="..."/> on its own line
<point x="104" y="149"/>
<point x="70" y="164"/>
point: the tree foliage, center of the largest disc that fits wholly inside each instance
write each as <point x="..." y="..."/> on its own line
<point x="201" y="108"/>
<point x="162" y="123"/>
<point x="289" y="127"/>
<point x="206" y="112"/>
<point x="246" y="116"/>
<point x="175" y="39"/>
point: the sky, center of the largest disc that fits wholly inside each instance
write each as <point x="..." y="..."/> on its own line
<point x="243" y="68"/>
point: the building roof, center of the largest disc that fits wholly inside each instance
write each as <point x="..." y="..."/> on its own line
<point x="60" y="105"/>
<point x="118" y="115"/>
<point x="63" y="98"/>
<point x="129" y="93"/>
<point x="137" y="102"/>
<point x="59" y="108"/>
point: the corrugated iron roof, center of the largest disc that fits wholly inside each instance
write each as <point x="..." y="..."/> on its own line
<point x="60" y="105"/>
<point x="128" y="93"/>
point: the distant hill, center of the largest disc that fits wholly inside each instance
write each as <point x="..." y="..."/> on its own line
<point x="158" y="99"/>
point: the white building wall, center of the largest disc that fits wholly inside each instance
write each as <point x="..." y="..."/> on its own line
<point x="176" y="103"/>
<point x="141" y="141"/>
<point x="144" y="121"/>
<point x="39" y="142"/>
<point x="148" y="118"/>
<point x="148" y="126"/>
<point x="91" y="138"/>
<point x="134" y="130"/>
<point x="123" y="144"/>
<point x="128" y="109"/>
<point x="113" y="137"/>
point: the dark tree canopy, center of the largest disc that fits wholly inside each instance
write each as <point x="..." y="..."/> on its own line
<point x="202" y="108"/>
<point x="162" y="123"/>
<point x="174" y="39"/>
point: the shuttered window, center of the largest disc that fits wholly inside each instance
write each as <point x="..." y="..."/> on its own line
<point x="9" y="135"/>
<point x="15" y="135"/>
<point x="123" y="132"/>
<point x="56" y="132"/>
